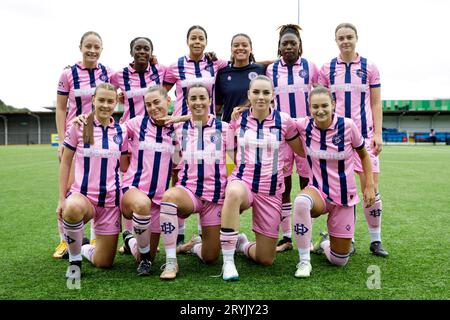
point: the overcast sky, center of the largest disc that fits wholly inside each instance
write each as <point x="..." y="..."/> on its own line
<point x="407" y="39"/>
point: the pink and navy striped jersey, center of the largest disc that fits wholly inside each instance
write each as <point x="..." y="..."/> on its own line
<point x="203" y="165"/>
<point x="97" y="166"/>
<point x="330" y="157"/>
<point x="292" y="84"/>
<point x="134" y="85"/>
<point x="350" y="84"/>
<point x="152" y="148"/>
<point x="259" y="150"/>
<point x="79" y="83"/>
<point x="186" y="72"/>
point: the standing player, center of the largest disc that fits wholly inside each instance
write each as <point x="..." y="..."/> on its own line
<point x="152" y="146"/>
<point x="75" y="89"/>
<point x="192" y="68"/>
<point x="355" y="84"/>
<point x="257" y="181"/>
<point x="134" y="81"/>
<point x="137" y="77"/>
<point x="95" y="193"/>
<point x="330" y="142"/>
<point x="201" y="182"/>
<point x="232" y="81"/>
<point x="195" y="67"/>
<point x="293" y="78"/>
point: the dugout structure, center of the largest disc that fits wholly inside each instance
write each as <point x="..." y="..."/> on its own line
<point x="403" y="121"/>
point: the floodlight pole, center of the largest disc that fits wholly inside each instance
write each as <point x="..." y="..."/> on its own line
<point x="39" y="125"/>
<point x="298" y="12"/>
<point x="5" y="120"/>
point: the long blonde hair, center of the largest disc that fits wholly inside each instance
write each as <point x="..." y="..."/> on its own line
<point x="88" y="129"/>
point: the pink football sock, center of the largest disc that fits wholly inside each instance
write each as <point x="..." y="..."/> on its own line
<point x="74" y="237"/>
<point x="303" y="225"/>
<point x="169" y="227"/>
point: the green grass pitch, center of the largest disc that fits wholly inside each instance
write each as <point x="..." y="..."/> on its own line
<point x="415" y="186"/>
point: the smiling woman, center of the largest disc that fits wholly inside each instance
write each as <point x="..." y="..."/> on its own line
<point x="233" y="80"/>
<point x="134" y="79"/>
<point x="77" y="83"/>
<point x="355" y="84"/>
<point x="74" y="97"/>
<point x="97" y="149"/>
<point x="257" y="180"/>
<point x="151" y="147"/>
<point x="201" y="183"/>
<point x="196" y="66"/>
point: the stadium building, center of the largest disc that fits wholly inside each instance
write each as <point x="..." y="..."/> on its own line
<point x="403" y="121"/>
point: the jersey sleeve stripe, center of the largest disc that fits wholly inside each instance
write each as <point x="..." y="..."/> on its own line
<point x="69" y="146"/>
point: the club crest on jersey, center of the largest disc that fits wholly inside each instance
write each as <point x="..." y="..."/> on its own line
<point x="252" y="75"/>
<point x="303" y="73"/>
<point x="361" y="73"/>
<point x="118" y="139"/>
<point x="348" y="227"/>
<point x="229" y="78"/>
<point x="209" y="68"/>
<point x="104" y="78"/>
<point x="337" y="139"/>
<point x="214" y="138"/>
<point x="154" y="77"/>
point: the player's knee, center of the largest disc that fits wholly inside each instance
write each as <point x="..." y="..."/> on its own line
<point x="265" y="261"/>
<point x="170" y="196"/>
<point x="210" y="258"/>
<point x="127" y="214"/>
<point x="142" y="207"/>
<point x="103" y="262"/>
<point x="233" y="195"/>
<point x="73" y="212"/>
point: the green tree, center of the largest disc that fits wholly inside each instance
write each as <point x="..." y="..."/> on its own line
<point x="7" y="108"/>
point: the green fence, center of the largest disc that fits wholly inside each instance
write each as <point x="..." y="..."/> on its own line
<point x="416" y="105"/>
